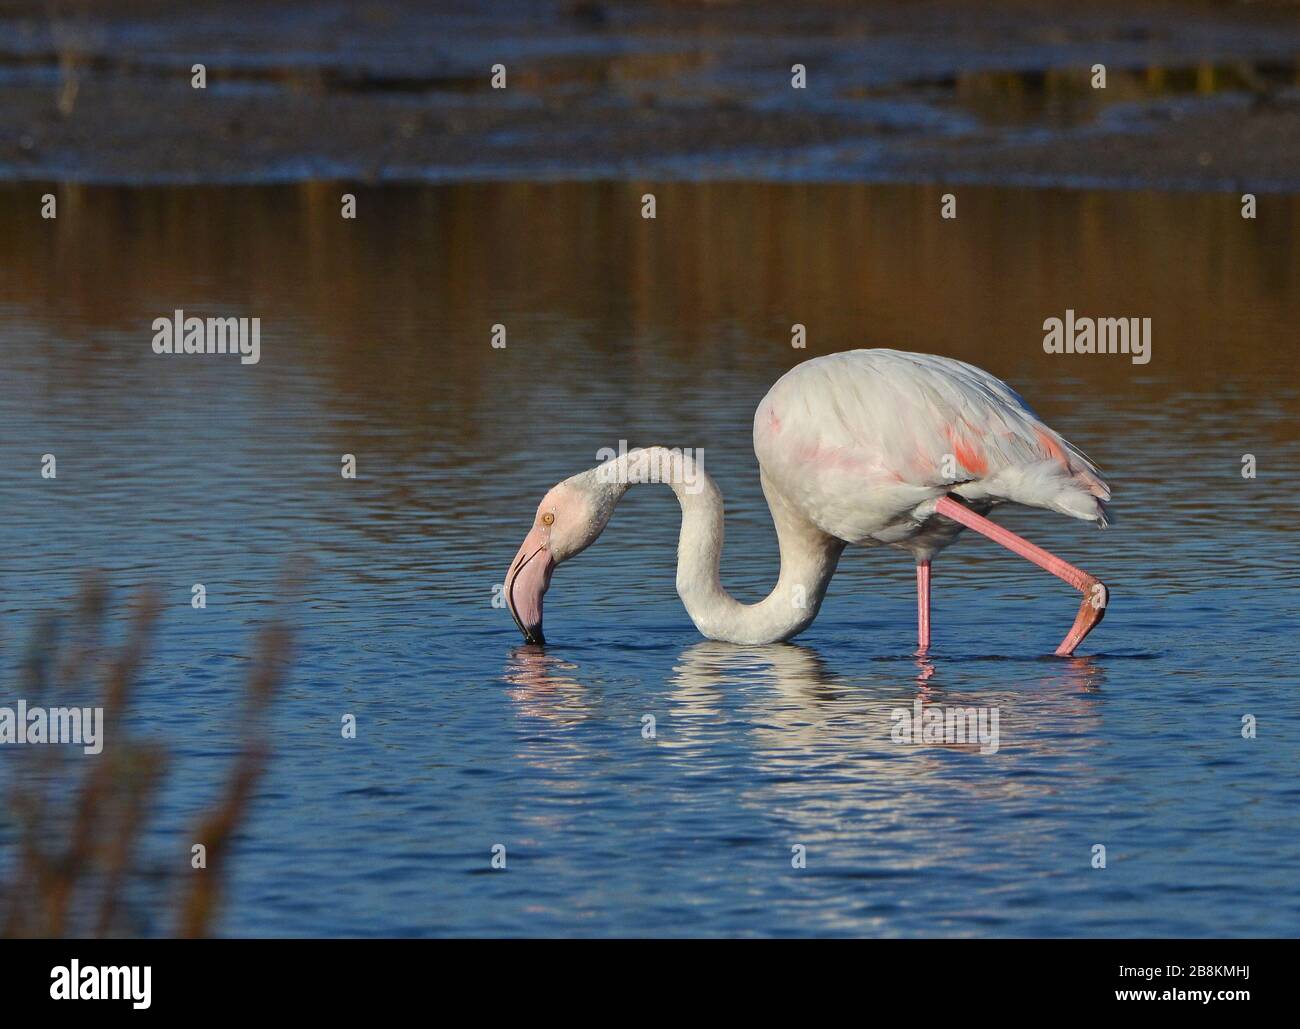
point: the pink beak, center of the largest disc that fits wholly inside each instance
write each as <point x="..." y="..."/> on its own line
<point x="526" y="583"/>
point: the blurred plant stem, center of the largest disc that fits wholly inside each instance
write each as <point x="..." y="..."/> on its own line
<point x="80" y="818"/>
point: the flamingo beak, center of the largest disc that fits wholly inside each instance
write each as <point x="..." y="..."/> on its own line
<point x="526" y="583"/>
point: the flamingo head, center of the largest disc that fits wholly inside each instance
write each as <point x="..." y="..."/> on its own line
<point x="568" y="520"/>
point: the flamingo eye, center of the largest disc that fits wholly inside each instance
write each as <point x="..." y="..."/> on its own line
<point x="548" y="518"/>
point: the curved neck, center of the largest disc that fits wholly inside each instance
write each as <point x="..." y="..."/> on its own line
<point x="808" y="556"/>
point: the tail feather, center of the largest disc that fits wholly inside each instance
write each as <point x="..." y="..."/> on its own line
<point x="1071" y="491"/>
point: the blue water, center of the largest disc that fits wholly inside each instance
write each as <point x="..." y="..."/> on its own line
<point x="375" y="342"/>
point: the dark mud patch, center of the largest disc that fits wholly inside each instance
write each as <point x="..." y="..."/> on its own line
<point x="1197" y="96"/>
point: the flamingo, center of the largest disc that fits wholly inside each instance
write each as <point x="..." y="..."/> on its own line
<point x="866" y="447"/>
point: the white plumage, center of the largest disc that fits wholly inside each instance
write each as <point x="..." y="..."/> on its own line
<point x="864" y="442"/>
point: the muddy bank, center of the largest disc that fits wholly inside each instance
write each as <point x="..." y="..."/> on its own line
<point x="1197" y="96"/>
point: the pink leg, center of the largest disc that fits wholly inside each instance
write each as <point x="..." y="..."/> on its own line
<point x="923" y="605"/>
<point x="1095" y="594"/>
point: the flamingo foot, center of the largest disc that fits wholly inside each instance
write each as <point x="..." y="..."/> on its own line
<point x="1095" y="593"/>
<point x="1091" y="612"/>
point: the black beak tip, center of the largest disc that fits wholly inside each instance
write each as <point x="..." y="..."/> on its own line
<point x="535" y="638"/>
